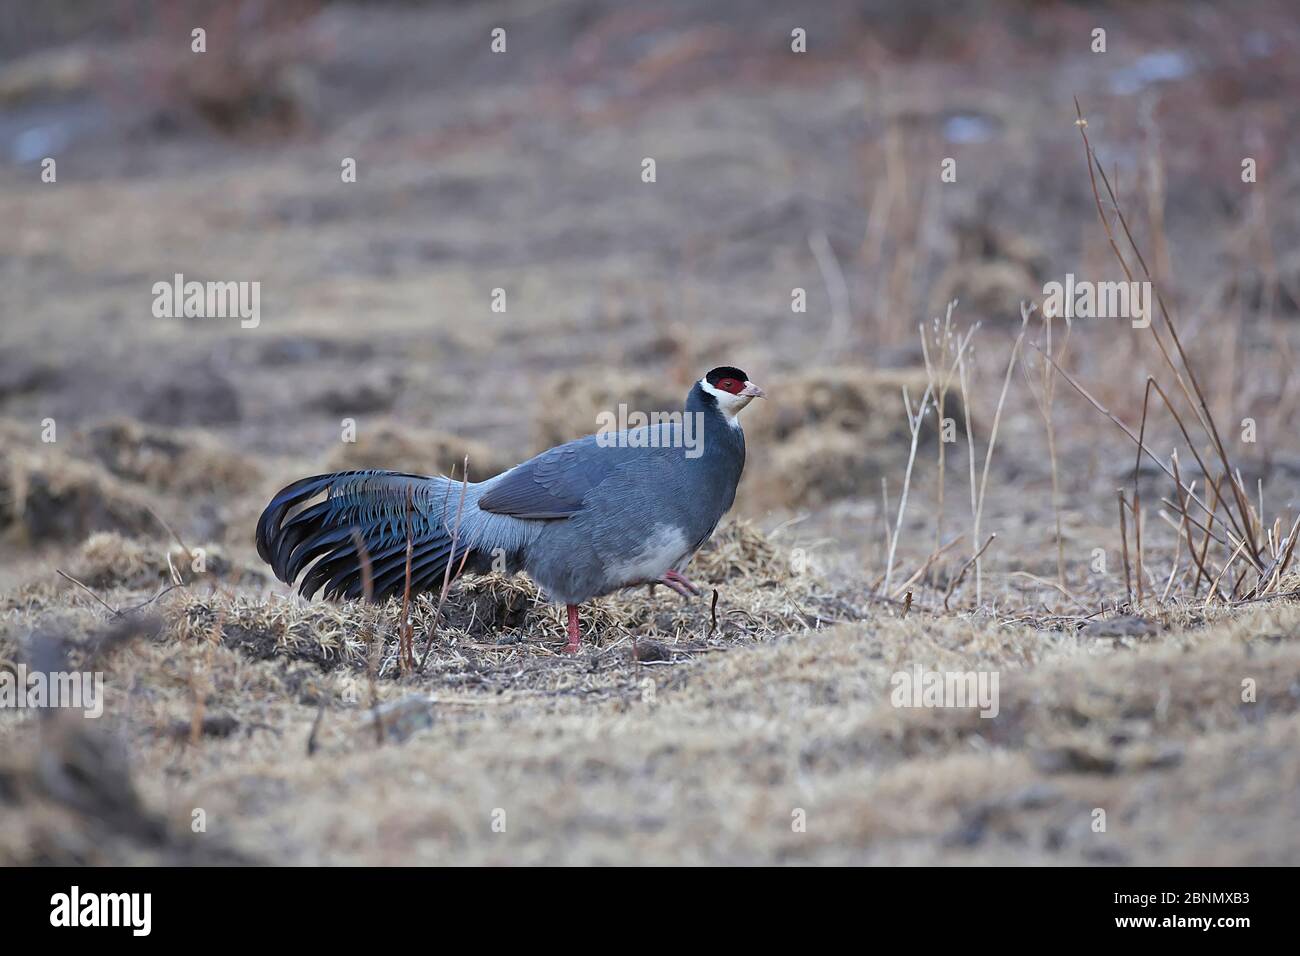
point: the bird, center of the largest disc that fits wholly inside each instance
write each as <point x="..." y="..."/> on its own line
<point x="612" y="510"/>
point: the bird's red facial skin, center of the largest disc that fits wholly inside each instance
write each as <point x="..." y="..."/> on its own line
<point x="729" y="385"/>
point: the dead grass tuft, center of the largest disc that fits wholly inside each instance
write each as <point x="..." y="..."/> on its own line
<point x="739" y="550"/>
<point x="862" y="402"/>
<point x="109" y="560"/>
<point x="187" y="462"/>
<point x="833" y="434"/>
<point x="51" y="496"/>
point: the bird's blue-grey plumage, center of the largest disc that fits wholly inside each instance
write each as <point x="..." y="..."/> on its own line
<point x="582" y="519"/>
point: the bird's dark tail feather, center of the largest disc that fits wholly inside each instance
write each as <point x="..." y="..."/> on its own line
<point x="311" y="529"/>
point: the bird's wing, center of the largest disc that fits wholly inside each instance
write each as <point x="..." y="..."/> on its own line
<point x="557" y="483"/>
<point x="554" y="484"/>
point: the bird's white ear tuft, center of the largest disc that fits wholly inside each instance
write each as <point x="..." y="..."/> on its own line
<point x="729" y="404"/>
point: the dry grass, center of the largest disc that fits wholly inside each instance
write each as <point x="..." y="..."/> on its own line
<point x="48" y="495"/>
<point x="833" y="433"/>
<point x="174" y="460"/>
<point x="107" y="560"/>
<point x="1153" y="731"/>
<point x="491" y="622"/>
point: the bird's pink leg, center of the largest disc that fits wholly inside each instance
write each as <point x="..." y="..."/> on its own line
<point x="679" y="578"/>
<point x="679" y="584"/>
<point x="575" y="636"/>
<point x="679" y="588"/>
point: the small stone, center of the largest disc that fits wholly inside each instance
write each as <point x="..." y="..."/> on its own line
<point x="648" y="651"/>
<point x="1070" y="758"/>
<point x="1126" y="625"/>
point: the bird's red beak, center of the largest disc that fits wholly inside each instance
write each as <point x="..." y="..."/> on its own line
<point x="752" y="391"/>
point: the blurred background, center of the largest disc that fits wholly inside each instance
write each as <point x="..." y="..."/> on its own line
<point x="522" y="171"/>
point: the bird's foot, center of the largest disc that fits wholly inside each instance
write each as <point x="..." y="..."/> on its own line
<point x="680" y="583"/>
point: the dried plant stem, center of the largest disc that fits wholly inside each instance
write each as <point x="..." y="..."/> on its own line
<point x="189" y="555"/>
<point x="1205" y="544"/>
<point x="1214" y="585"/>
<point x="1025" y="312"/>
<point x="1232" y="541"/>
<point x="446" y="574"/>
<point x="1185" y="530"/>
<point x="1178" y="554"/>
<point x="939" y="374"/>
<point x="373" y="647"/>
<point x="1126" y="430"/>
<point x="1137" y="489"/>
<point x="68" y="577"/>
<point x="313" y="738"/>
<point x="929" y="562"/>
<point x="1064" y="591"/>
<point x="940" y="386"/>
<point x="957" y="578"/>
<point x="970" y="435"/>
<point x="1056" y="500"/>
<point x="1199" y="403"/>
<point x="1282" y="549"/>
<point x="914" y="423"/>
<point x="1044" y="396"/>
<point x="201" y="680"/>
<point x="1123" y="538"/>
<point x="406" y="655"/>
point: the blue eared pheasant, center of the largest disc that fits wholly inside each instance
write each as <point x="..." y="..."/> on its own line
<point x="583" y="519"/>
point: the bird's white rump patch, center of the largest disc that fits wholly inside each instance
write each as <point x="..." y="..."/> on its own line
<point x="662" y="549"/>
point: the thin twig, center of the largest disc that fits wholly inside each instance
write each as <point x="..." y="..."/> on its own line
<point x="1214" y="585"/>
<point x="1199" y="404"/>
<point x="914" y="423"/>
<point x="1123" y="537"/>
<point x="69" y="577"/>
<point x="952" y="585"/>
<point x="929" y="562"/>
<point x="1052" y="584"/>
<point x="451" y="556"/>
<point x="373" y="646"/>
<point x="1025" y="312"/>
<point x="1126" y="430"/>
<point x="406" y="654"/>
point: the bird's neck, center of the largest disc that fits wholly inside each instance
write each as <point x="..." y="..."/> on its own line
<point x="722" y="433"/>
